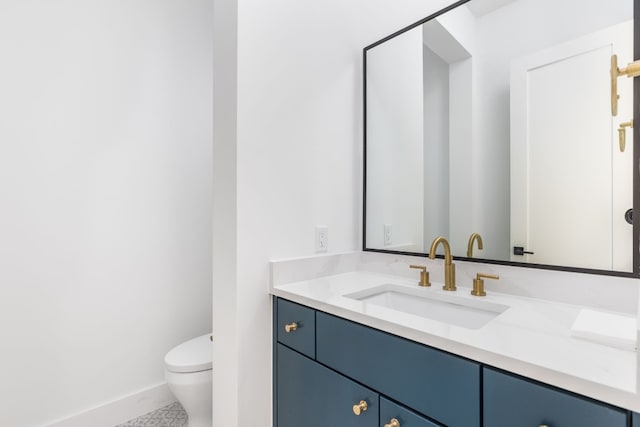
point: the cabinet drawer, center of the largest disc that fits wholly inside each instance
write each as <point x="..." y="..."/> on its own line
<point x="510" y="401"/>
<point x="310" y="395"/>
<point x="405" y="417"/>
<point x="434" y="383"/>
<point x="300" y="321"/>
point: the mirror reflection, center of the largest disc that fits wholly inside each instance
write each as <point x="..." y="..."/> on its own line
<point x="495" y="118"/>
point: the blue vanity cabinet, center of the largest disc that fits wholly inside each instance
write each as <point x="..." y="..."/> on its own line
<point x="512" y="401"/>
<point x="334" y="364"/>
<point x="406" y="418"/>
<point x="310" y="395"/>
<point x="440" y="385"/>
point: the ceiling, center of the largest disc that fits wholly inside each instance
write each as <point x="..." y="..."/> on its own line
<point x="482" y="7"/>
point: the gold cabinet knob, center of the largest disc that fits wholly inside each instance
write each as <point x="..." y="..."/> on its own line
<point x="393" y="423"/>
<point x="290" y="327"/>
<point x="359" y="408"/>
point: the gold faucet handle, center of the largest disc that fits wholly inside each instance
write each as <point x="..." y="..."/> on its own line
<point x="424" y="275"/>
<point x="478" y="283"/>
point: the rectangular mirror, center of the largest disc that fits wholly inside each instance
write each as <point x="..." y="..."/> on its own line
<point x="495" y="117"/>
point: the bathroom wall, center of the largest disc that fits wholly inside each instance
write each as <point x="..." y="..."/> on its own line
<point x="292" y="153"/>
<point x="105" y="198"/>
<point x="395" y="140"/>
<point x="435" y="93"/>
<point x="288" y="153"/>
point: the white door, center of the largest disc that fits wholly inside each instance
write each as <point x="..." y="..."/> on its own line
<point x="570" y="184"/>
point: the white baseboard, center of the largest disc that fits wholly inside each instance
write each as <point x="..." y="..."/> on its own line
<point x="120" y="410"/>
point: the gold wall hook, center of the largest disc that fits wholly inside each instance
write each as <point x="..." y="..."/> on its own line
<point x="631" y="70"/>
<point x="622" y="134"/>
<point x="472" y="238"/>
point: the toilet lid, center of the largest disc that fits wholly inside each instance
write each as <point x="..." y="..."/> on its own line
<point x="190" y="356"/>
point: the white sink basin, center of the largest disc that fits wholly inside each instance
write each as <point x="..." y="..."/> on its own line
<point x="450" y="309"/>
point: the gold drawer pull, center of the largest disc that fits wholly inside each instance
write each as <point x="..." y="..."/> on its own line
<point x="360" y="407"/>
<point x="290" y="327"/>
<point x="393" y="423"/>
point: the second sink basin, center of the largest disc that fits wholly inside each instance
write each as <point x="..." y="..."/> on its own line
<point x="450" y="309"/>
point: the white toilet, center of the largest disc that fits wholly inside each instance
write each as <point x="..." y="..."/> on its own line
<point x="188" y="374"/>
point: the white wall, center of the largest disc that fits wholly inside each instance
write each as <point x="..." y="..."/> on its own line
<point x="299" y="157"/>
<point x="449" y="168"/>
<point x="226" y="302"/>
<point x="436" y="142"/>
<point x="105" y="198"/>
<point x="395" y="140"/>
<point x="294" y="123"/>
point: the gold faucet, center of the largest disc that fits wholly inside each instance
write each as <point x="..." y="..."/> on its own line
<point x="449" y="267"/>
<point x="472" y="238"/>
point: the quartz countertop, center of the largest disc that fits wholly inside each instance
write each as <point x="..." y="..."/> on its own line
<point x="531" y="338"/>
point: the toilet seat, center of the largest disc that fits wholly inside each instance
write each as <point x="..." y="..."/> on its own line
<point x="191" y="356"/>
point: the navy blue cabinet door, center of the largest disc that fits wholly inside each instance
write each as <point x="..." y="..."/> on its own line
<point x="510" y="401"/>
<point x="444" y="387"/>
<point x="310" y="395"/>
<point x="636" y="420"/>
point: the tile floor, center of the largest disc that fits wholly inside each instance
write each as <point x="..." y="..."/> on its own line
<point x="169" y="416"/>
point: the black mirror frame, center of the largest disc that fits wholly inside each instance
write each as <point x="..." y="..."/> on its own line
<point x="635" y="273"/>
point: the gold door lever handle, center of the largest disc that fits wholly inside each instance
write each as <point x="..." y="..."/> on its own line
<point x="631" y="70"/>
<point x="359" y="408"/>
<point x="622" y="134"/>
<point x="290" y="327"/>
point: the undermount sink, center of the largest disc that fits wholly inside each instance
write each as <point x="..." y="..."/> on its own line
<point x="450" y="309"/>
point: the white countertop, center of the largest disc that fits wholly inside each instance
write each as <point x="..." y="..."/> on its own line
<point x="531" y="338"/>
